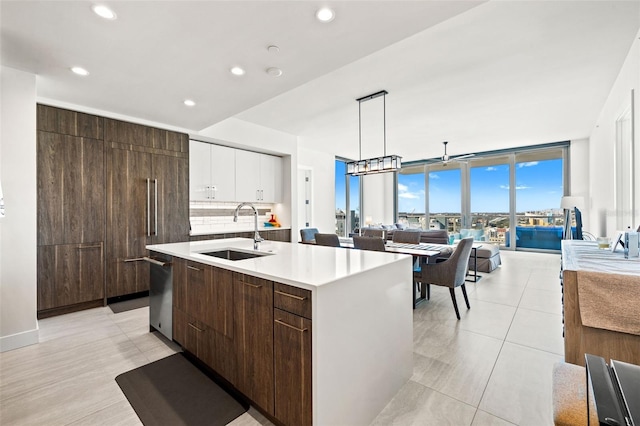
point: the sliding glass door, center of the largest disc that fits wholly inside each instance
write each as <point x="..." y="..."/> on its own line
<point x="539" y="188"/>
<point x="489" y="192"/>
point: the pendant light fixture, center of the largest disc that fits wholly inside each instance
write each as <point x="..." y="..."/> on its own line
<point x="386" y="163"/>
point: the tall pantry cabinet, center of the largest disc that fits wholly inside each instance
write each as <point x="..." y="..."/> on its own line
<point x="106" y="188"/>
<point x="147" y="199"/>
<point x="70" y="204"/>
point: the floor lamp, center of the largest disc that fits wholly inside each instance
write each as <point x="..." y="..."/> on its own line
<point x="568" y="203"/>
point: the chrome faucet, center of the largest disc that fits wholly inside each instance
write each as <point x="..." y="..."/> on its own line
<point x="256" y="237"/>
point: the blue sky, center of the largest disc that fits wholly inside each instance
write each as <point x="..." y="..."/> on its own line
<point x="340" y="189"/>
<point x="538" y="187"/>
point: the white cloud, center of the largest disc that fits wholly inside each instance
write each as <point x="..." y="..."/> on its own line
<point x="434" y="176"/>
<point x="492" y="169"/>
<point x="528" y="164"/>
<point x="409" y="195"/>
<point x="402" y="188"/>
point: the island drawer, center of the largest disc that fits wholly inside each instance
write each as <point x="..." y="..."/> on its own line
<point x="292" y="299"/>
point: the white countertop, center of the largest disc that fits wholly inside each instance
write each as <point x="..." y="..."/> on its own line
<point x="203" y="230"/>
<point x="300" y="265"/>
<point x="579" y="255"/>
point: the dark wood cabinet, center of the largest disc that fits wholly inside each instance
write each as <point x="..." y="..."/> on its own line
<point x="283" y="235"/>
<point x="67" y="122"/>
<point x="205" y="294"/>
<point x="70" y="193"/>
<point x="193" y="335"/>
<point x="70" y="210"/>
<point x="292" y="368"/>
<point x="129" y="220"/>
<point x="254" y="339"/>
<point x="69" y="274"/>
<point x="106" y="183"/>
<point x="253" y="332"/>
<point x="146" y="202"/>
<point x="220" y="317"/>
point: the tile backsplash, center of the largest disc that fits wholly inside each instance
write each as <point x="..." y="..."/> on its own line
<point x="218" y="216"/>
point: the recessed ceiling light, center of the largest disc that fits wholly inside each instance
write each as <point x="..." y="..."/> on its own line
<point x="189" y="102"/>
<point x="273" y="49"/>
<point x="237" y="71"/>
<point x="325" y="14"/>
<point x="79" y="71"/>
<point x="274" y="72"/>
<point x="104" y="12"/>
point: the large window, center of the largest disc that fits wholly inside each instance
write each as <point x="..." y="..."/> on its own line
<point x="490" y="195"/>
<point x="411" y="198"/>
<point x="347" y="200"/>
<point x="445" y="193"/>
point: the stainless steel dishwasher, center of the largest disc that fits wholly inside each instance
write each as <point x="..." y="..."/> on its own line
<point x="161" y="294"/>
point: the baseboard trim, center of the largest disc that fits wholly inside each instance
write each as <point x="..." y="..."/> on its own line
<point x="19" y="340"/>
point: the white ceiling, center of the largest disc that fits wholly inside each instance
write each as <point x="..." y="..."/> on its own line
<point x="481" y="75"/>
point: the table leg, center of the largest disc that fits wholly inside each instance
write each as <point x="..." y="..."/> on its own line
<point x="475" y="275"/>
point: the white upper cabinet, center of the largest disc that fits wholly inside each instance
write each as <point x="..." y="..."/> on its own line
<point x="211" y="172"/>
<point x="258" y="177"/>
<point x="220" y="173"/>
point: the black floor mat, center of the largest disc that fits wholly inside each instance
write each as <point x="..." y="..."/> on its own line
<point x="173" y="391"/>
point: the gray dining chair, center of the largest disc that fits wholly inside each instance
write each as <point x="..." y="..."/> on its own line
<point x="372" y="232"/>
<point x="450" y="273"/>
<point x="368" y="243"/>
<point x="308" y="234"/>
<point x="406" y="237"/>
<point x="330" y="240"/>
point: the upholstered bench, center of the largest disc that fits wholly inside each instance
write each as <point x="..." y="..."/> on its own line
<point x="488" y="258"/>
<point x="570" y="395"/>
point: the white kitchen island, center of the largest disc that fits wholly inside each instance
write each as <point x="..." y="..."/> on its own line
<point x="362" y="328"/>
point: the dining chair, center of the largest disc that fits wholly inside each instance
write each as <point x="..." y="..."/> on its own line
<point x="330" y="240"/>
<point x="450" y="273"/>
<point x="368" y="243"/>
<point x="406" y="237"/>
<point x="308" y="234"/>
<point x="369" y="232"/>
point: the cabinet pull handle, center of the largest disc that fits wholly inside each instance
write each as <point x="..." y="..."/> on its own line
<point x="134" y="259"/>
<point x="301" y="330"/>
<point x="155" y="182"/>
<point x="148" y="207"/>
<point x="293" y="296"/>
<point x="89" y="247"/>
<point x="196" y="328"/>
<point x="251" y="285"/>
<point x="193" y="268"/>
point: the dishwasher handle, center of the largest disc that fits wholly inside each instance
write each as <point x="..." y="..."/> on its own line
<point x="155" y="261"/>
<point x="148" y="259"/>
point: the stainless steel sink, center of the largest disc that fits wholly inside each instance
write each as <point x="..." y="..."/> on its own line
<point x="234" y="254"/>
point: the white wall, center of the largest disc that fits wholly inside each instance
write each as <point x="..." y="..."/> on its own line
<point x="323" y="202"/>
<point x="602" y="143"/>
<point x="579" y="179"/>
<point x="18" y="300"/>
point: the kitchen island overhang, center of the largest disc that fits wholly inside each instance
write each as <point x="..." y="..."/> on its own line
<point x="362" y="328"/>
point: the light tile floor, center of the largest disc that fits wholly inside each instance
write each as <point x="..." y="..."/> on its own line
<point x="493" y="367"/>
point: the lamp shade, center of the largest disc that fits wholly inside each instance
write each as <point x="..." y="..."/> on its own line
<point x="569" y="202"/>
